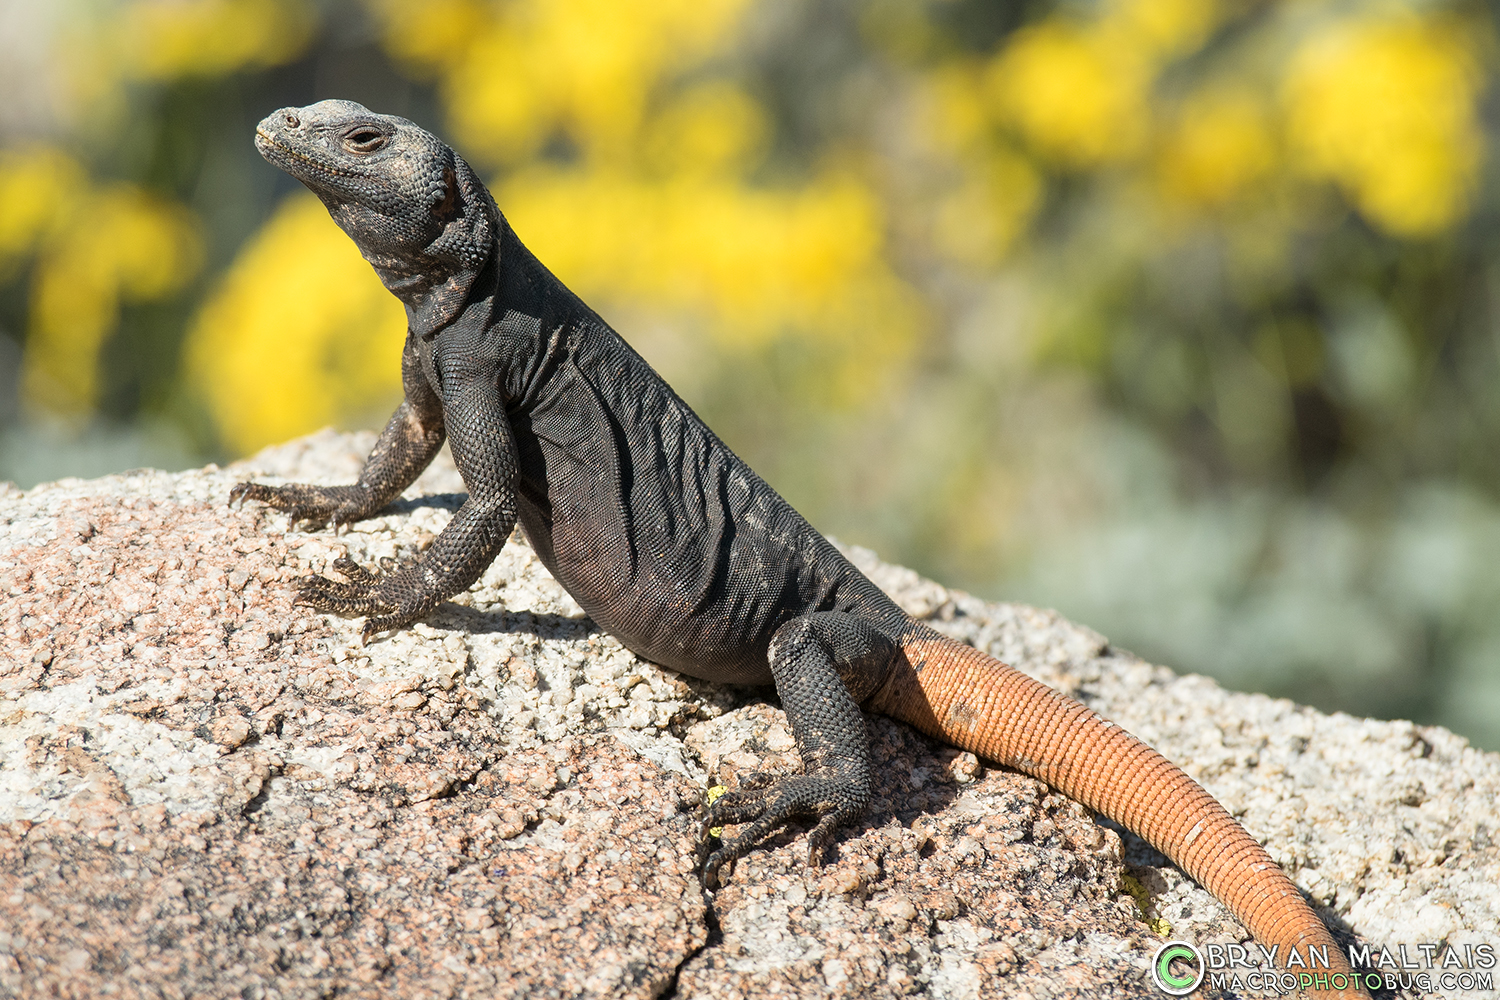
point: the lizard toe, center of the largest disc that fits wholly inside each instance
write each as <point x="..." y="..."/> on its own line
<point x="304" y="518"/>
<point x="740" y="806"/>
<point x="384" y="623"/>
<point x="353" y="571"/>
<point x="338" y="596"/>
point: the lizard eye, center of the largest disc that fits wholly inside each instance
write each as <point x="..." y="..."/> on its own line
<point x="365" y="140"/>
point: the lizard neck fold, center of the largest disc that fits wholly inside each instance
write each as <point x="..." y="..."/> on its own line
<point x="436" y="283"/>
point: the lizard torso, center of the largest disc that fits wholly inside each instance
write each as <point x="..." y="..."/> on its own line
<point x="660" y="532"/>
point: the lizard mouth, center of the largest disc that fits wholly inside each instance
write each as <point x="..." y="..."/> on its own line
<point x="264" y="138"/>
<point x="284" y="155"/>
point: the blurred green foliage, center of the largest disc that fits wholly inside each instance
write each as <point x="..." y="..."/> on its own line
<point x="1174" y="314"/>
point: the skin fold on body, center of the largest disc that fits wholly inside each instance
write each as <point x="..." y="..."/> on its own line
<point x="670" y="542"/>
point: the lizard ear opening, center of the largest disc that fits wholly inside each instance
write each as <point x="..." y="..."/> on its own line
<point x="447" y="206"/>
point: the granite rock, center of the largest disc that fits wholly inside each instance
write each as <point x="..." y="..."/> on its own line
<point x="207" y="791"/>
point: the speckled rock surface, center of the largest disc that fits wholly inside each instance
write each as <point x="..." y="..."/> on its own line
<point x="205" y="791"/>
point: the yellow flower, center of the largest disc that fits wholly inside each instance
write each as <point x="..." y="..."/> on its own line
<point x="583" y="67"/>
<point x="39" y="189"/>
<point x="162" y="39"/>
<point x="753" y="263"/>
<point x="1384" y="106"/>
<point x="1220" y="145"/>
<point x="1164" y="28"/>
<point x="426" y="36"/>
<point x="120" y="244"/>
<point x="300" y="334"/>
<point x="1074" y="94"/>
<point x="712" y="128"/>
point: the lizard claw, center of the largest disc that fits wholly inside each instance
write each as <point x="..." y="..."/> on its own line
<point x="382" y="623"/>
<point x="241" y="492"/>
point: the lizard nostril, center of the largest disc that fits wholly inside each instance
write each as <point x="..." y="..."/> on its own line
<point x="292" y="120"/>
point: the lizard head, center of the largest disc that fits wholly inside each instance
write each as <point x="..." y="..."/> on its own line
<point x="413" y="207"/>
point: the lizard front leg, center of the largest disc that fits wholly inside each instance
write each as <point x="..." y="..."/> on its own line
<point x="824" y="665"/>
<point x="408" y="444"/>
<point x="484" y="451"/>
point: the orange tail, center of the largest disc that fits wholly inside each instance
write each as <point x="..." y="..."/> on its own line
<point x="975" y="702"/>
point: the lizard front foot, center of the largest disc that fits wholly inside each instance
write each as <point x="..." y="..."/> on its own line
<point x="315" y="506"/>
<point x="390" y="599"/>
<point x="832" y="797"/>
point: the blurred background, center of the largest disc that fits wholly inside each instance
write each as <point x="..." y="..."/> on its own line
<point x="1179" y="316"/>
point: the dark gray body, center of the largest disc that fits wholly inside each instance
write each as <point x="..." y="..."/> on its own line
<point x="660" y="532"/>
<point x="664" y="536"/>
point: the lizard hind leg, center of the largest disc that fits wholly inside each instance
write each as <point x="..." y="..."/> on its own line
<point x="824" y="665"/>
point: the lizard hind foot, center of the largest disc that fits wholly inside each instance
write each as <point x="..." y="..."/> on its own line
<point x="356" y="594"/>
<point x="387" y="597"/>
<point x="766" y="808"/>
